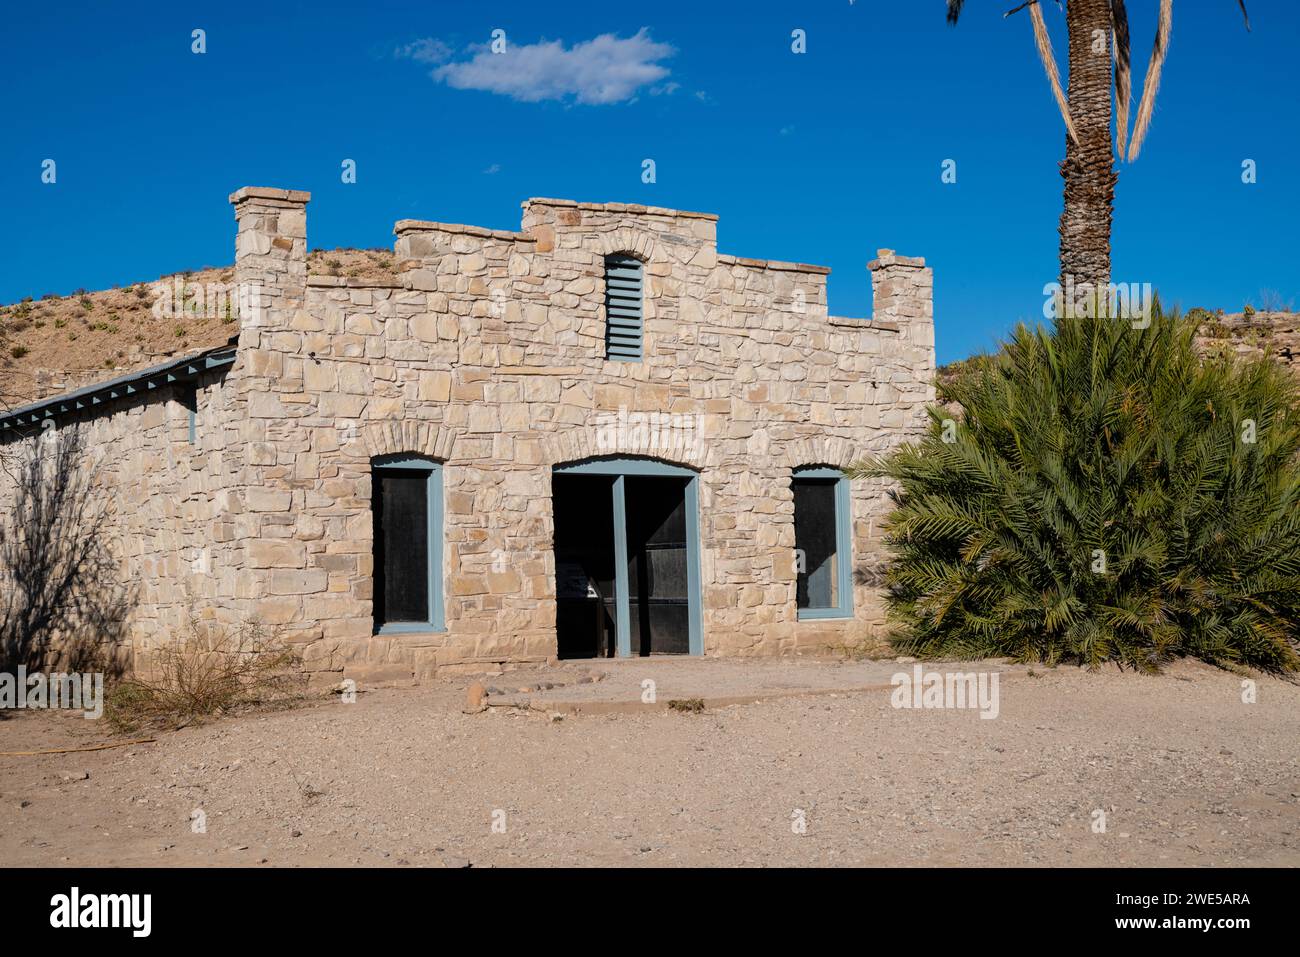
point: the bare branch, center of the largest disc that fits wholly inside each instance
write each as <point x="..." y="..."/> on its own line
<point x="59" y="590"/>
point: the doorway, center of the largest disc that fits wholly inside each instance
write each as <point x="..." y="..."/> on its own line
<point x="585" y="600"/>
<point x="627" y="571"/>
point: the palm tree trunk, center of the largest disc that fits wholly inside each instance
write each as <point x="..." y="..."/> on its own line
<point x="1089" y="167"/>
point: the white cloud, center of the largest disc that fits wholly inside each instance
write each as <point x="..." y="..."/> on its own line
<point x="493" y="169"/>
<point x="424" y="50"/>
<point x="606" y="69"/>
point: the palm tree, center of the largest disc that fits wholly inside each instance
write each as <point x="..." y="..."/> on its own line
<point x="1088" y="169"/>
<point x="1106" y="497"/>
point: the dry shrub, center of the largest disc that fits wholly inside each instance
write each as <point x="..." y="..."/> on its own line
<point x="213" y="671"/>
<point x="687" y="705"/>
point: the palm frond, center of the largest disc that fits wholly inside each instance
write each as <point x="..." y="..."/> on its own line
<point x="1123" y="54"/>
<point x="1043" y="43"/>
<point x="1151" y="82"/>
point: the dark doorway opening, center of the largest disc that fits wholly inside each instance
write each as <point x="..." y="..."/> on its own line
<point x="659" y="608"/>
<point x="585" y="609"/>
<point x="622" y="565"/>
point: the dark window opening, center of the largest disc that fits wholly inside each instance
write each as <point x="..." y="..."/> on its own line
<point x="406" y="519"/>
<point x="815" y="547"/>
<point x="823" y="543"/>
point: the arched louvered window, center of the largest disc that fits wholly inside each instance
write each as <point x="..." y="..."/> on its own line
<point x="624" y="299"/>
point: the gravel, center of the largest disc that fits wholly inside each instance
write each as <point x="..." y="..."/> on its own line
<point x="1184" y="772"/>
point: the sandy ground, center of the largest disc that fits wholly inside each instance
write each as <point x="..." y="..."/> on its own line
<point x="1186" y="773"/>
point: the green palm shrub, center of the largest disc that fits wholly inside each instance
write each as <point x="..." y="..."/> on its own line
<point x="1100" y="493"/>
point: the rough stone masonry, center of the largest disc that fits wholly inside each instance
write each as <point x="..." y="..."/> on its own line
<point x="487" y="356"/>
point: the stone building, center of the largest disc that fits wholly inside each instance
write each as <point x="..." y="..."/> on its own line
<point x="1253" y="335"/>
<point x="594" y="436"/>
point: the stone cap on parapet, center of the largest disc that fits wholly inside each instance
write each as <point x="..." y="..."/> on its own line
<point x="425" y="226"/>
<point x="294" y="196"/>
<point x="774" y="264"/>
<point x="630" y="209"/>
<point x="887" y="257"/>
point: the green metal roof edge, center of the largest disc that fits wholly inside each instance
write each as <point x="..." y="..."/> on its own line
<point x="102" y="393"/>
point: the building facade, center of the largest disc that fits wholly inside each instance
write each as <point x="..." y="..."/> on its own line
<point x="594" y="436"/>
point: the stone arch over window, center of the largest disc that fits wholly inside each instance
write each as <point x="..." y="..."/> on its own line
<point x="634" y="242"/>
<point x="406" y="437"/>
<point x="826" y="450"/>
<point x="677" y="440"/>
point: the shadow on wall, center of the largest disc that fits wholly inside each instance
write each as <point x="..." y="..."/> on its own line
<point x="61" y="602"/>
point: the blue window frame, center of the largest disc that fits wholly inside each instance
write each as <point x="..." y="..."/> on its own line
<point x="823" y="543"/>
<point x="407" y="509"/>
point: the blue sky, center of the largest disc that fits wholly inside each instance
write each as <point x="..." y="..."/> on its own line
<point x="821" y="157"/>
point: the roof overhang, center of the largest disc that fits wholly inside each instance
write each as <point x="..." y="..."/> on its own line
<point x="102" y="394"/>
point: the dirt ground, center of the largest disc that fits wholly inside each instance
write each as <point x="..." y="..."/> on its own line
<point x="817" y="768"/>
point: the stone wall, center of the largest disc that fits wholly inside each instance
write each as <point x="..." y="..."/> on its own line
<point x="1273" y="334"/>
<point x="487" y="354"/>
<point x="159" y="494"/>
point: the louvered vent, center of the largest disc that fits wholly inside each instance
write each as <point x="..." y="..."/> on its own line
<point x="623" y="308"/>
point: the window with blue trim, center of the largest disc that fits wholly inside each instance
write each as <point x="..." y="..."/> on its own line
<point x="407" y="509"/>
<point x="823" y="549"/>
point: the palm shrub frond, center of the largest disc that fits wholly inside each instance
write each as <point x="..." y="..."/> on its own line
<point x="1107" y="496"/>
